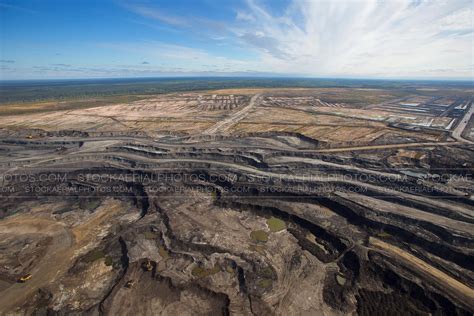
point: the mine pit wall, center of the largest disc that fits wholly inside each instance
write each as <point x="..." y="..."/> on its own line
<point x="394" y="184"/>
<point x="41" y="144"/>
<point x="125" y="263"/>
<point x="332" y="242"/>
<point x="351" y="264"/>
<point x="418" y="205"/>
<point x="24" y="191"/>
<point x="164" y="287"/>
<point x="35" y="132"/>
<point x="371" y="177"/>
<point x="106" y="306"/>
<point x="233" y="158"/>
<point x="358" y="215"/>
<point x="355" y="214"/>
<point x="352" y="213"/>
<point x="434" y="161"/>
<point x="398" y="185"/>
<point x="245" y="274"/>
<point x="387" y="273"/>
<point x="314" y="143"/>
<point x="163" y="151"/>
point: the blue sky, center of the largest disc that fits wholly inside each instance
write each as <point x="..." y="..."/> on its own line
<point x="43" y="39"/>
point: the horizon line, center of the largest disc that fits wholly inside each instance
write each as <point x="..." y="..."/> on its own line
<point x="275" y="76"/>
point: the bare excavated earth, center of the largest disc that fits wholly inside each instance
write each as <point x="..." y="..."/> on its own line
<point x="230" y="216"/>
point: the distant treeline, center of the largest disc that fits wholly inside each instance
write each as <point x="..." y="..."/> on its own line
<point x="30" y="91"/>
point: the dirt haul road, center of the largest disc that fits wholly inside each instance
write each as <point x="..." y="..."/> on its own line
<point x="225" y="125"/>
<point x="438" y="276"/>
<point x="457" y="133"/>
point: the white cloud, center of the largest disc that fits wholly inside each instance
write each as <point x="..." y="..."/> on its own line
<point x="459" y="20"/>
<point x="7" y="6"/>
<point x="363" y="38"/>
<point x="242" y="16"/>
<point x="339" y="38"/>
<point x="156" y="14"/>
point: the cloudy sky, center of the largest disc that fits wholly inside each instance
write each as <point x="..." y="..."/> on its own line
<point x="149" y="38"/>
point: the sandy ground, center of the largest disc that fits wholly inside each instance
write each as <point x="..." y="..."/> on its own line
<point x="67" y="243"/>
<point x="231" y="112"/>
<point x="233" y="119"/>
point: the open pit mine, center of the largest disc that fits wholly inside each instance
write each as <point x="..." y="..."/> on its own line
<point x="326" y="201"/>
